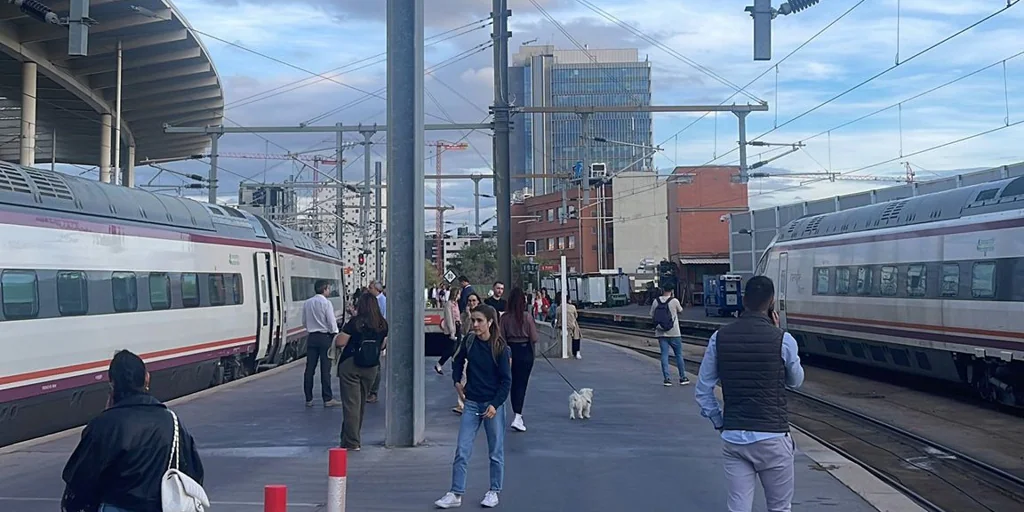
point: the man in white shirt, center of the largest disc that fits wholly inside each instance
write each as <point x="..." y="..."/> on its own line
<point x="321" y="327"/>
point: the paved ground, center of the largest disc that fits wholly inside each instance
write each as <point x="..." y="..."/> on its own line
<point x="646" y="448"/>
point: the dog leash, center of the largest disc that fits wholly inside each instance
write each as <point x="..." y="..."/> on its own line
<point x="553" y="367"/>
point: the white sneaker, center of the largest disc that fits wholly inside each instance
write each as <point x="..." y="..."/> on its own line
<point x="518" y="424"/>
<point x="490" y="499"/>
<point x="579" y="355"/>
<point x="450" y="500"/>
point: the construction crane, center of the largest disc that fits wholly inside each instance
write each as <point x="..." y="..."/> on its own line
<point x="440" y="147"/>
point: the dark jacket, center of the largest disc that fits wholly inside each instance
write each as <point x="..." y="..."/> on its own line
<point x="753" y="374"/>
<point x="488" y="379"/>
<point x="123" y="455"/>
<point x="498" y="304"/>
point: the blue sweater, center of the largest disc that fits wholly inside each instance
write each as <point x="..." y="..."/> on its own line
<point x="487" y="381"/>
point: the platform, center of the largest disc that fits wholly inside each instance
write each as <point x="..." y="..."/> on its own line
<point x="646" y="448"/>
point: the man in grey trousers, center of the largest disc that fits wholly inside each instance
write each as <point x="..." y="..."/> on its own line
<point x="755" y="361"/>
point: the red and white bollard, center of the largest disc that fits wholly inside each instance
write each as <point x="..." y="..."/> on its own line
<point x="275" y="498"/>
<point x="337" y="473"/>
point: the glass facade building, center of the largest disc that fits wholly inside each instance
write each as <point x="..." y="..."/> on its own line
<point x="553" y="143"/>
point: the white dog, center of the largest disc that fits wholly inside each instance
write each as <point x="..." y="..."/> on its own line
<point x="579" y="403"/>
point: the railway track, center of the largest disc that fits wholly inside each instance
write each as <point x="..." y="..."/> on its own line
<point x="938" y="477"/>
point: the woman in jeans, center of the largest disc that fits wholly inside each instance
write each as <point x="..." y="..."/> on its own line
<point x="120" y="461"/>
<point x="520" y="331"/>
<point x="488" y="379"/>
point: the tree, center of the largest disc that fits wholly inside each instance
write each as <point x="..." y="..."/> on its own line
<point x="479" y="263"/>
<point x="431" y="277"/>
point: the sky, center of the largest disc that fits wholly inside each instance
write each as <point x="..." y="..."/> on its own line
<point x="702" y="47"/>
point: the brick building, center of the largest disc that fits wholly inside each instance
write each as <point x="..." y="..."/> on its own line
<point x="698" y="227"/>
<point x="537" y="218"/>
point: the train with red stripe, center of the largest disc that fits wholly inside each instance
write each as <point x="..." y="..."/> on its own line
<point x="204" y="293"/>
<point x="931" y="285"/>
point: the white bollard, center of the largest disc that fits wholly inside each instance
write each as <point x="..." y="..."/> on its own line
<point x="337" y="473"/>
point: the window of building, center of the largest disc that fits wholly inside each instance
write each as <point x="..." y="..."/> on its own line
<point x="551" y="244"/>
<point x="983" y="280"/>
<point x="916" y="280"/>
<point x="572" y="241"/>
<point x="950" y="280"/>
<point x="551" y="215"/>
<point x="864" y="280"/>
<point x="190" y="290"/>
<point x="822" y="281"/>
<point x="159" y="291"/>
<point x="842" y="281"/>
<point x="124" y="288"/>
<point x="888" y="280"/>
<point x="20" y="290"/>
<point x="561" y="242"/>
<point x="72" y="293"/>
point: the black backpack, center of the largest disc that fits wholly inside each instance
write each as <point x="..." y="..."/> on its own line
<point x="663" y="316"/>
<point x="367" y="353"/>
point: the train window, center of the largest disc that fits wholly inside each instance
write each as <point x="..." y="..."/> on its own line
<point x="888" y="280"/>
<point x="159" y="291"/>
<point x="218" y="295"/>
<point x="72" y="293"/>
<point x="126" y="294"/>
<point x="236" y="288"/>
<point x="20" y="294"/>
<point x="822" y="282"/>
<point x="950" y="279"/>
<point x="983" y="280"/>
<point x="864" y="281"/>
<point x="916" y="280"/>
<point x="842" y="281"/>
<point x="190" y="290"/>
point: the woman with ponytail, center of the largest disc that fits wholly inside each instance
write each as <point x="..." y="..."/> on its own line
<point x="125" y="451"/>
<point x="488" y="380"/>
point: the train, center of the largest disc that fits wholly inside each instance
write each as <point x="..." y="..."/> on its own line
<point x="204" y="293"/>
<point x="931" y="285"/>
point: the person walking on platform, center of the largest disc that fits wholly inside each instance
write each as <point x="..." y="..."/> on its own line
<point x="665" y="313"/>
<point x="471" y="303"/>
<point x="520" y="331"/>
<point x="496" y="300"/>
<point x="451" y="325"/>
<point x="120" y="461"/>
<point x="362" y="339"/>
<point x="572" y="326"/>
<point x="488" y="380"/>
<point x="321" y="326"/>
<point x="377" y="289"/>
<point x="755" y="361"/>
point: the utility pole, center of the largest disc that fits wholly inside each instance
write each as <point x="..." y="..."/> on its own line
<point x="339" y="195"/>
<point x="213" y="168"/>
<point x="365" y="197"/>
<point x="377" y="224"/>
<point x="405" y="406"/>
<point x="502" y="174"/>
<point x="476" y="203"/>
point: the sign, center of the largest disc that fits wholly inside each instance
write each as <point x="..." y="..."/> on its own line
<point x="531" y="247"/>
<point x="529" y="268"/>
<point x="549" y="268"/>
<point x="449" y="276"/>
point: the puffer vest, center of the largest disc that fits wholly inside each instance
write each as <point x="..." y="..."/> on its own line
<point x="753" y="374"/>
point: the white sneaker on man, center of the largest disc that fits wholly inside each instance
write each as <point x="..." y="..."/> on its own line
<point x="449" y="500"/>
<point x="518" y="424"/>
<point x="490" y="499"/>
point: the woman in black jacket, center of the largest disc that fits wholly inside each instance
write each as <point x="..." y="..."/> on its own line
<point x="125" y="451"/>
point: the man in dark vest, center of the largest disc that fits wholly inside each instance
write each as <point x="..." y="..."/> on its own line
<point x="755" y="361"/>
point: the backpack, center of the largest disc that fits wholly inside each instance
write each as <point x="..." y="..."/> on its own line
<point x="663" y="316"/>
<point x="367" y="352"/>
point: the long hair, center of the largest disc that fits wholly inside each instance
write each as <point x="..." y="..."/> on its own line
<point x="496" y="340"/>
<point x="516" y="304"/>
<point x="127" y="375"/>
<point x="368" y="312"/>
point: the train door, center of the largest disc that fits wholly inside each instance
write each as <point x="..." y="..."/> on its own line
<point x="264" y="311"/>
<point x="783" y="283"/>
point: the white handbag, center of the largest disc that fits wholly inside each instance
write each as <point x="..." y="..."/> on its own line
<point x="178" y="491"/>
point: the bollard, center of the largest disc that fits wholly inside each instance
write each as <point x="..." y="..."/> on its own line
<point x="337" y="473"/>
<point x="275" y="498"/>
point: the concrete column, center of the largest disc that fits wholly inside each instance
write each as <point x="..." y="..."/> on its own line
<point x="105" y="123"/>
<point x="28" y="114"/>
<point x="128" y="171"/>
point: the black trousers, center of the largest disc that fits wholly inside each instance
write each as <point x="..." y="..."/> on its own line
<point x="317" y="345"/>
<point x="449" y="349"/>
<point x="522" y="366"/>
<point x="575" y="347"/>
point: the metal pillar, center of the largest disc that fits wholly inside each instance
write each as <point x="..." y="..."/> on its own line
<point x="53" y="152"/>
<point x="117" y="117"/>
<point x="476" y="202"/>
<point x="128" y="174"/>
<point x="364" y="211"/>
<point x="339" y="195"/>
<point x="743" y="145"/>
<point x="379" y="270"/>
<point x="28" y="114"/>
<point x="502" y="174"/>
<point x="213" y="168"/>
<point x="405" y="406"/>
<point x="105" y="148"/>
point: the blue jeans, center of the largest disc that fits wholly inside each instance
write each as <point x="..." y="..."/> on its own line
<point x="676" y="343"/>
<point x="468" y="428"/>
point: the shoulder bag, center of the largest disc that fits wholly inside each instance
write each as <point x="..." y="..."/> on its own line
<point x="178" y="491"/>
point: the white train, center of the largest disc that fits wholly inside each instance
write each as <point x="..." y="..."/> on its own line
<point x="204" y="293"/>
<point x="931" y="285"/>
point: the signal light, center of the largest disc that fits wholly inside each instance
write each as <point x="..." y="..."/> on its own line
<point x="362" y="259"/>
